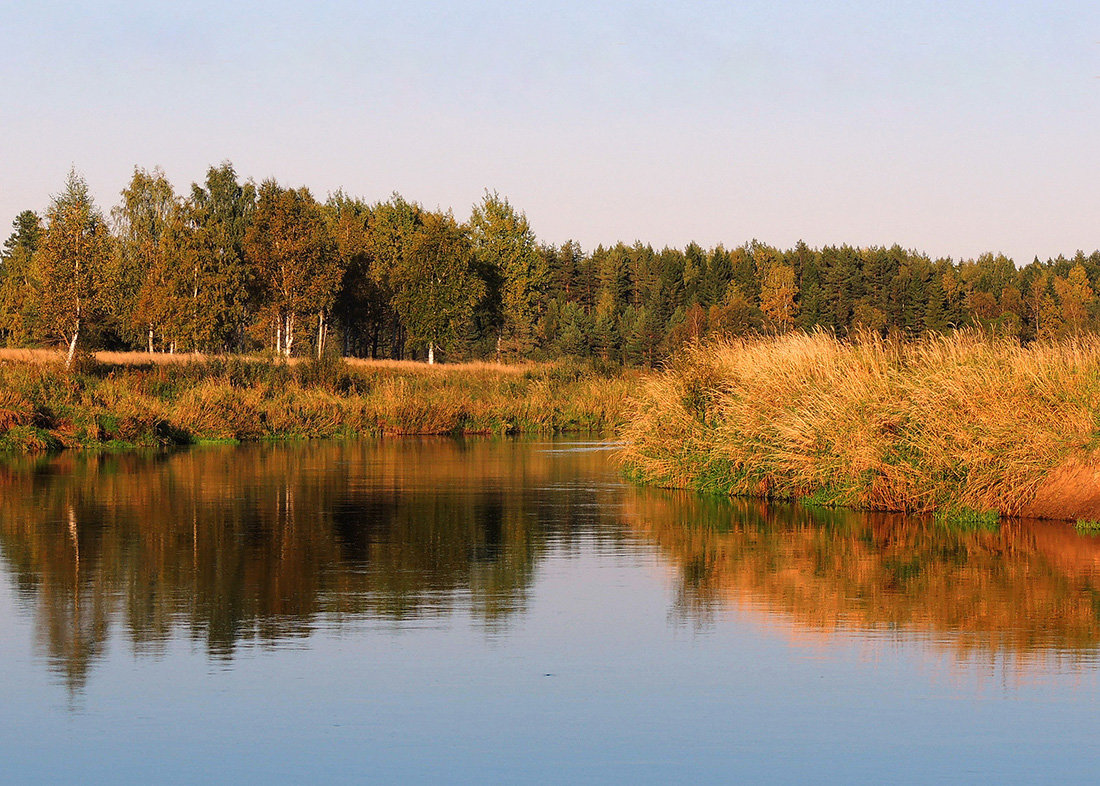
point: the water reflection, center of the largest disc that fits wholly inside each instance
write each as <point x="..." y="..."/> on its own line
<point x="260" y="545"/>
<point x="1021" y="593"/>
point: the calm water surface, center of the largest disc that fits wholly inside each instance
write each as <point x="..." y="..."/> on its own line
<point x="448" y="611"/>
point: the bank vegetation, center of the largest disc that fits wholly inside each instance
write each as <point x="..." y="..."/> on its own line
<point x="97" y="404"/>
<point x="966" y="423"/>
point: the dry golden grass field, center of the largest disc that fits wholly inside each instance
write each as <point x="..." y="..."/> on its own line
<point x="165" y="359"/>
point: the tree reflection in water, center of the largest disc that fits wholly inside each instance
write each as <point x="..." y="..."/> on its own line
<point x="262" y="545"/>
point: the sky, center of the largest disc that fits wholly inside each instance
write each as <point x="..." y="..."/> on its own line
<point x="952" y="128"/>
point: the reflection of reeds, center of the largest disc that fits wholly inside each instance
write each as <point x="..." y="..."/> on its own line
<point x="1025" y="590"/>
<point x="42" y="407"/>
<point x="965" y="420"/>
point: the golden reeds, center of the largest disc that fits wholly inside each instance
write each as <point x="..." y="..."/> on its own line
<point x="966" y="420"/>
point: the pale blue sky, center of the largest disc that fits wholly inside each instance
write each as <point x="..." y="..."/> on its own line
<point x="955" y="128"/>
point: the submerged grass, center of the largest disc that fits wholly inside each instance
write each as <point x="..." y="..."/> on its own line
<point x="968" y="424"/>
<point x="103" y="405"/>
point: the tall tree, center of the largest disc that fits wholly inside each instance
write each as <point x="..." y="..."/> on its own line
<point x="390" y="231"/>
<point x="138" y="294"/>
<point x="15" y="273"/>
<point x="435" y="288"/>
<point x="361" y="305"/>
<point x="1075" y="296"/>
<point x="294" y="255"/>
<point x="504" y="243"/>
<point x="69" y="264"/>
<point x="778" y="297"/>
<point x="222" y="209"/>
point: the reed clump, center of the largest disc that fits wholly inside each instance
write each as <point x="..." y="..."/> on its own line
<point x="959" y="422"/>
<point x="43" y="407"/>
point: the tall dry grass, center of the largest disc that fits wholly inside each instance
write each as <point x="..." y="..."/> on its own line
<point x="963" y="421"/>
<point x="44" y="407"/>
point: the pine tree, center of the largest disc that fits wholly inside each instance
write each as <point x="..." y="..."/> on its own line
<point x="15" y="275"/>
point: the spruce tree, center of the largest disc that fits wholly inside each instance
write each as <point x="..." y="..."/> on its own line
<point x="15" y="274"/>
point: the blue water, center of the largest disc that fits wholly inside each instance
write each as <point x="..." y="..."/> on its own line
<point x="514" y="614"/>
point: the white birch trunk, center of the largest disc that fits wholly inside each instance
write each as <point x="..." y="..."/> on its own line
<point x="72" y="346"/>
<point x="431" y="353"/>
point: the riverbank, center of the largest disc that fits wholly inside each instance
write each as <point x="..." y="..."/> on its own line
<point x="124" y="404"/>
<point x="965" y="425"/>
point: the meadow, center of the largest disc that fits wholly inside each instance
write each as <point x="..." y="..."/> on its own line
<point x="129" y="399"/>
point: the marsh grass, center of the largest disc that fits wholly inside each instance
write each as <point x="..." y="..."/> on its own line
<point x="960" y="422"/>
<point x="967" y="519"/>
<point x="42" y="407"/>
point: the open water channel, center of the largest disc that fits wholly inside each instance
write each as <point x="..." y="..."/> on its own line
<point x="511" y="611"/>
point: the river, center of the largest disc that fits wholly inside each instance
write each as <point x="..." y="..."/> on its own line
<point x="436" y="610"/>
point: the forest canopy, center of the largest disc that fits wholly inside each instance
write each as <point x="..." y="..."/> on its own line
<point x="235" y="267"/>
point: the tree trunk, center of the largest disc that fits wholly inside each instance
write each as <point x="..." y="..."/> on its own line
<point x="288" y="341"/>
<point x="279" y="334"/>
<point x="150" y="339"/>
<point x="320" y="333"/>
<point x="72" y="346"/>
<point x="431" y="353"/>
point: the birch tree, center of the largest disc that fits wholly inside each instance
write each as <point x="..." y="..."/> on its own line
<point x="69" y="264"/>
<point x="778" y="293"/>
<point x="217" y="215"/>
<point x="294" y="256"/>
<point x="142" y="221"/>
<point x="435" y="287"/>
<point x="505" y="246"/>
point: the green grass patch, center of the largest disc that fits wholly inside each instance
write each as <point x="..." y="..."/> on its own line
<point x="967" y="519"/>
<point x="825" y="497"/>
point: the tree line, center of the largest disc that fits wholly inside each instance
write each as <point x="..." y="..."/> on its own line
<point x="237" y="267"/>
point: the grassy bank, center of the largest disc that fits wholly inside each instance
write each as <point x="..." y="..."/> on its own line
<point x="107" y="404"/>
<point x="963" y="423"/>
